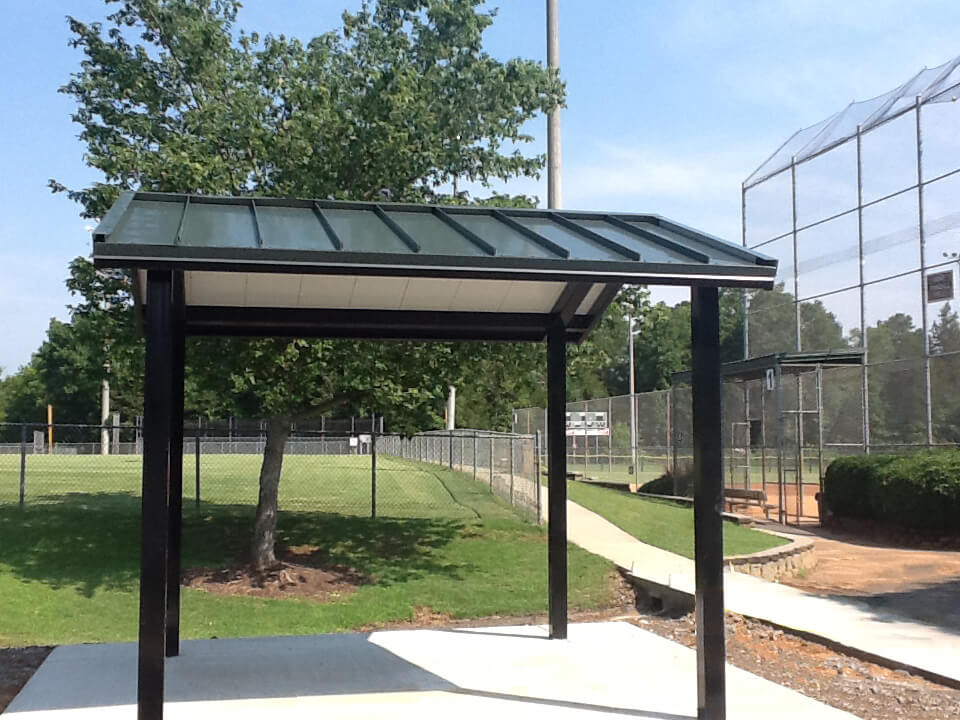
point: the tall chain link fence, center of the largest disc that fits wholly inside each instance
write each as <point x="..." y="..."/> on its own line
<point x="863" y="210"/>
<point x="366" y="473"/>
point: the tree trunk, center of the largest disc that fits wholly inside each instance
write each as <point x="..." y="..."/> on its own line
<point x="263" y="554"/>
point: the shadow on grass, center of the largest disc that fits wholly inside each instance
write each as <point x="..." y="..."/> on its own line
<point x="92" y="541"/>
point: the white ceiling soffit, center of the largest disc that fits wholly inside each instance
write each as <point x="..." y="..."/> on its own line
<point x="277" y="290"/>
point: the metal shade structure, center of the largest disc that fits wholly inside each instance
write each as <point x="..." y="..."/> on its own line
<point x="375" y="269"/>
<point x="318" y="268"/>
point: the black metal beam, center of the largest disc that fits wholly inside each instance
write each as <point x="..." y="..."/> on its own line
<point x="656" y="239"/>
<point x="370" y="324"/>
<point x="606" y="297"/>
<point x="708" y="503"/>
<point x="539" y="239"/>
<point x="465" y="232"/>
<point x="569" y="300"/>
<point x="398" y="264"/>
<point x="397" y="230"/>
<point x="557" y="478"/>
<point x="175" y="513"/>
<point x="595" y="237"/>
<point x="328" y="228"/>
<point x="154" y="524"/>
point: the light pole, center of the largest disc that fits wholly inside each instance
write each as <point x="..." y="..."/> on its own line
<point x="553" y="117"/>
<point x="631" y="333"/>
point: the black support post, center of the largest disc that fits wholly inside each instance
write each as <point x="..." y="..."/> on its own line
<point x="154" y="525"/>
<point x="175" y="516"/>
<point x="708" y="503"/>
<point x="557" y="478"/>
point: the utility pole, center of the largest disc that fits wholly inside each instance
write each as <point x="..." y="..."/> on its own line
<point x="554" y="197"/>
<point x="452" y="408"/>
<point x="105" y="410"/>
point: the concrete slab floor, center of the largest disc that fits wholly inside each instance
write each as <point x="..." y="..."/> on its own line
<point x="604" y="670"/>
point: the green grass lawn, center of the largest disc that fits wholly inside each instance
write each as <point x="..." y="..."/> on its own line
<point x="69" y="564"/>
<point x="663" y="524"/>
<point x="341" y="484"/>
<point x="651" y="467"/>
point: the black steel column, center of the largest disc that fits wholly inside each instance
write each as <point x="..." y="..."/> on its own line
<point x="708" y="503"/>
<point x="153" y="533"/>
<point x="175" y="517"/>
<point x="557" y="477"/>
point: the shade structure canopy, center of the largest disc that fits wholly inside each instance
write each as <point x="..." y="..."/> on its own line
<point x="290" y="267"/>
<point x="387" y="270"/>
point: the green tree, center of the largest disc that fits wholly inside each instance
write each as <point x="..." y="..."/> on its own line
<point x="895" y="349"/>
<point x="945" y="374"/>
<point x="172" y="97"/>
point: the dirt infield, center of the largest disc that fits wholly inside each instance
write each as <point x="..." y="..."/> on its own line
<point x="921" y="585"/>
<point x="810" y="512"/>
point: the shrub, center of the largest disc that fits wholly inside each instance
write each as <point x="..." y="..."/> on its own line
<point x="664" y="485"/>
<point x="918" y="491"/>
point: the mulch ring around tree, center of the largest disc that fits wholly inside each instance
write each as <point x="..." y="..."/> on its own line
<point x="301" y="574"/>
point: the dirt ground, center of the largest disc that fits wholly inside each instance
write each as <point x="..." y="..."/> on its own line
<point x="922" y="584"/>
<point x="866" y="690"/>
<point x="303" y="573"/>
<point x="16" y="667"/>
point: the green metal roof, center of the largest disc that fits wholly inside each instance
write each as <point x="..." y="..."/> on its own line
<point x="282" y="253"/>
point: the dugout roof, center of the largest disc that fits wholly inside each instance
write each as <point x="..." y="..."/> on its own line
<point x="790" y="363"/>
<point x="265" y="266"/>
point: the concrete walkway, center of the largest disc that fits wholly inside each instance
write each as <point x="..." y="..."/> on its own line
<point x="604" y="671"/>
<point x="850" y="623"/>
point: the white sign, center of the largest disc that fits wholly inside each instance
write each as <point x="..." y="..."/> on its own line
<point x="587" y="424"/>
<point x="353" y="442"/>
<point x="364" y="439"/>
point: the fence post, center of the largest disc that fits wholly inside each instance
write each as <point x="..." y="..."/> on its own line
<point x="450" y="458"/>
<point x="23" y="464"/>
<point x="474" y="456"/>
<point x="491" y="463"/>
<point x="536" y="469"/>
<point x="511" y="469"/>
<point x="373" y="473"/>
<point x="196" y="471"/>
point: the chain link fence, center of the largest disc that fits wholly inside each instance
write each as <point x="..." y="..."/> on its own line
<point x="862" y="212"/>
<point x="775" y="440"/>
<point x="367" y="473"/>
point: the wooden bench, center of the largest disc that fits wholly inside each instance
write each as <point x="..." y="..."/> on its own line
<point x="737" y="497"/>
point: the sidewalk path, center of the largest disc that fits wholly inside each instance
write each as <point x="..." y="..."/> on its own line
<point x="850" y="623"/>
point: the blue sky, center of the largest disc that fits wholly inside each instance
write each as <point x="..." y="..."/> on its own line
<point x="670" y="106"/>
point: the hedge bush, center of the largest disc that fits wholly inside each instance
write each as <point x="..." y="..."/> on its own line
<point x="918" y="491"/>
<point x="663" y="485"/>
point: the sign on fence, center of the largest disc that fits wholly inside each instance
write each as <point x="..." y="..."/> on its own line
<point x="38" y="442"/>
<point x="587" y="424"/>
<point x="940" y="286"/>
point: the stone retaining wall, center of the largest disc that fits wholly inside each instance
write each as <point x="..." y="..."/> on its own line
<point x="776" y="563"/>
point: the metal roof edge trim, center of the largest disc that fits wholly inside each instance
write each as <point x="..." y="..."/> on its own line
<point x="319" y="262"/>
